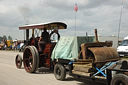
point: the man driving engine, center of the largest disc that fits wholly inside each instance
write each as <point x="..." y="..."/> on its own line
<point x="43" y="40"/>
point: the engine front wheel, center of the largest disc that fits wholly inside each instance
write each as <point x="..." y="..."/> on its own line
<point x="18" y="61"/>
<point x="59" y="72"/>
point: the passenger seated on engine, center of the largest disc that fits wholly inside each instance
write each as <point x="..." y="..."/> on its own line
<point x="43" y="40"/>
<point x="57" y="37"/>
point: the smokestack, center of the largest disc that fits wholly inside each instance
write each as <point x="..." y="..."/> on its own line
<point x="96" y="37"/>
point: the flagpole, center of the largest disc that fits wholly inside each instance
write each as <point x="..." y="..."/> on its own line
<point x="76" y="8"/>
<point x="75" y="23"/>
<point x="120" y="23"/>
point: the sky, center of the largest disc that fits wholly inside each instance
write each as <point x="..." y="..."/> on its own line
<point x="103" y="15"/>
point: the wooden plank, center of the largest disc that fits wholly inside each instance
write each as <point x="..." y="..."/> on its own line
<point x="85" y="60"/>
<point x="84" y="65"/>
<point x="82" y="69"/>
<point x="81" y="62"/>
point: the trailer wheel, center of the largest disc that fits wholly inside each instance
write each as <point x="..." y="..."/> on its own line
<point x="59" y="72"/>
<point x="120" y="79"/>
<point x="18" y="61"/>
<point x="30" y="59"/>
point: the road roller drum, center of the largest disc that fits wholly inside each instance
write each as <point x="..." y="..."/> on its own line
<point x="102" y="54"/>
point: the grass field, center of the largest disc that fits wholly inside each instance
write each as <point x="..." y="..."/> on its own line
<point x="125" y="58"/>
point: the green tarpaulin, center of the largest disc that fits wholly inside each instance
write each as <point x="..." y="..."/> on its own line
<point x="68" y="47"/>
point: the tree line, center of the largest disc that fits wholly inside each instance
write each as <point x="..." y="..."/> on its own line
<point x="7" y="38"/>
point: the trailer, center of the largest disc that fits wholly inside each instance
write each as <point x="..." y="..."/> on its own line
<point x="76" y="55"/>
<point x="94" y="60"/>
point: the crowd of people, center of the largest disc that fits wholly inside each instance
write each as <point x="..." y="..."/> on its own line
<point x="10" y="45"/>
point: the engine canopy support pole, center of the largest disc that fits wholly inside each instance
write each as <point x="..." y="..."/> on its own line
<point x="32" y="32"/>
<point x="27" y="34"/>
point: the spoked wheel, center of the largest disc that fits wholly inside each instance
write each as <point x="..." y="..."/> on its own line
<point x="59" y="72"/>
<point x="31" y="59"/>
<point x="18" y="61"/>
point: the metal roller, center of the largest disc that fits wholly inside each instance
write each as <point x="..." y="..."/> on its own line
<point x="102" y="54"/>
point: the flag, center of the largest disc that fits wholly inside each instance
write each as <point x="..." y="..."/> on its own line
<point x="76" y="8"/>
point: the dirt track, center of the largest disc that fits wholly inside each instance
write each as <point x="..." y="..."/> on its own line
<point x="10" y="75"/>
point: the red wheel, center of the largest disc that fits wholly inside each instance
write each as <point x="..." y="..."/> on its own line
<point x="30" y="59"/>
<point x="18" y="61"/>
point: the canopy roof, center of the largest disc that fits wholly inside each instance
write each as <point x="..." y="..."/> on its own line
<point x="49" y="26"/>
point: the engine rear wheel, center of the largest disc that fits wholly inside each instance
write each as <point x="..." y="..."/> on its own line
<point x="59" y="72"/>
<point x="18" y="61"/>
<point x="30" y="59"/>
<point x="37" y="57"/>
<point x="120" y="79"/>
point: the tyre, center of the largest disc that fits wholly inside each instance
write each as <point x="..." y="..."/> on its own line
<point x="30" y="59"/>
<point x="59" y="72"/>
<point x="18" y="61"/>
<point x="119" y="79"/>
<point x="37" y="57"/>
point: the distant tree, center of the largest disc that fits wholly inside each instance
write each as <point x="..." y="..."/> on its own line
<point x="9" y="38"/>
<point x="1" y="38"/>
<point x="4" y="37"/>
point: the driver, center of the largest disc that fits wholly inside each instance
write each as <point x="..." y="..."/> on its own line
<point x="45" y="38"/>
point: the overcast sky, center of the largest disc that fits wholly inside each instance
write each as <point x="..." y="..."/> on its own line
<point x="101" y="14"/>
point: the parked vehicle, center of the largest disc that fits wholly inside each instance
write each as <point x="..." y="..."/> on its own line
<point x="9" y="43"/>
<point x="123" y="48"/>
